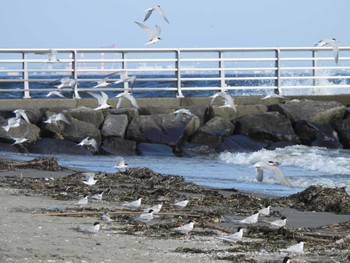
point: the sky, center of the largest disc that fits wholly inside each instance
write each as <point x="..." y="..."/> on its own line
<point x="193" y="24"/>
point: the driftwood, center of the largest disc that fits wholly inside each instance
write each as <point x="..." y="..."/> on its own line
<point x="47" y="164"/>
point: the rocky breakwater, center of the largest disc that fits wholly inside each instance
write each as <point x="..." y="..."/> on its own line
<point x="200" y="130"/>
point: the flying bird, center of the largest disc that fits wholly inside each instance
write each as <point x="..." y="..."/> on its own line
<point x="125" y="78"/>
<point x="89" y="180"/>
<point x="102" y="83"/>
<point x="271" y="167"/>
<point x="22" y="139"/>
<point x="153" y="36"/>
<point x="82" y="201"/>
<point x="20" y="113"/>
<point x="97" y="197"/>
<point x="127" y="96"/>
<point x="89" y="142"/>
<point x="331" y="42"/>
<point x="101" y="100"/>
<point x="121" y="164"/>
<point x="51" y="55"/>
<point x="158" y="9"/>
<point x="226" y="98"/>
<point x="55" y="118"/>
<point x="66" y="83"/>
<point x="55" y="93"/>
<point x="12" y="123"/>
<point x="233" y="238"/>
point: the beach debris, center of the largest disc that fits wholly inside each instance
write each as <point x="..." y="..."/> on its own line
<point x="45" y="163"/>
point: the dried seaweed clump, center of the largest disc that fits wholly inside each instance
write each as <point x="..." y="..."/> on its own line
<point x="322" y="199"/>
<point x="46" y="164"/>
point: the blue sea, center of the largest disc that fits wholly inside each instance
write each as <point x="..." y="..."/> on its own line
<point x="303" y="165"/>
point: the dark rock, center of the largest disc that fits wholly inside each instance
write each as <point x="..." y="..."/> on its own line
<point x="240" y="143"/>
<point x="343" y="129"/>
<point x="86" y="115"/>
<point x="244" y="110"/>
<point x="54" y="146"/>
<point x="118" y="146"/>
<point x="153" y="110"/>
<point x="163" y="129"/>
<point x="192" y="150"/>
<point x="226" y="113"/>
<point x="115" y="125"/>
<point x="321" y="135"/>
<point x="129" y="112"/>
<point x="213" y="132"/>
<point x="154" y="149"/>
<point x="309" y="110"/>
<point x="32" y="131"/>
<point x="269" y="127"/>
<point x="78" y="130"/>
<point x="7" y="147"/>
<point x="201" y="111"/>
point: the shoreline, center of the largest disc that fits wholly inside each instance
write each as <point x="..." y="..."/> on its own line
<point x="28" y="232"/>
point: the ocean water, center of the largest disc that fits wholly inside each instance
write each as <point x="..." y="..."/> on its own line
<point x="304" y="166"/>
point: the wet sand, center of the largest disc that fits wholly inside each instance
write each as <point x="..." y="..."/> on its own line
<point x="28" y="234"/>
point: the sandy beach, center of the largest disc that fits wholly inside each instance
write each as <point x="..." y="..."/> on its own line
<point x="30" y="234"/>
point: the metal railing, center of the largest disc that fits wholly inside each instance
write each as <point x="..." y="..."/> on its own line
<point x="179" y="71"/>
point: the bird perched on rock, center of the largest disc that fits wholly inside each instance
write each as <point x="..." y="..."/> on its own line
<point x="233" y="238"/>
<point x="271" y="167"/>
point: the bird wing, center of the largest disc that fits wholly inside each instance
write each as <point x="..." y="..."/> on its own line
<point x="132" y="100"/>
<point x="335" y="47"/>
<point x="160" y="11"/>
<point x="259" y="174"/>
<point x="148" y="14"/>
<point x="23" y="114"/>
<point x="150" y="32"/>
<point x="278" y="174"/>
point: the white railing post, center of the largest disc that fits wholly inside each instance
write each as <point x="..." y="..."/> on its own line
<point x="222" y="71"/>
<point x="75" y="74"/>
<point x="178" y="73"/>
<point x="25" y="76"/>
<point x="315" y="81"/>
<point x="278" y="71"/>
<point x="124" y="67"/>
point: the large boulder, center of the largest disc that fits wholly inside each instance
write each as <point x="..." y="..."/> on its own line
<point x="115" y="126"/>
<point x="30" y="131"/>
<point x="154" y="110"/>
<point x="213" y="132"/>
<point x="226" y="113"/>
<point x="250" y="109"/>
<point x="78" y="130"/>
<point x="240" y="143"/>
<point x="129" y="112"/>
<point x="321" y="135"/>
<point x="118" y="146"/>
<point x="343" y="129"/>
<point x="201" y="111"/>
<point x="267" y="127"/>
<point x="162" y="128"/>
<point x="314" y="111"/>
<point x="55" y="146"/>
<point x="86" y="115"/>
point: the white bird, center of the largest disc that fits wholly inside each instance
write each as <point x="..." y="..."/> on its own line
<point x="185" y="229"/>
<point x="129" y="97"/>
<point x="90" y="230"/>
<point x="265" y="211"/>
<point x="22" y="139"/>
<point x="101" y="100"/>
<point x="228" y="100"/>
<point x="271" y="167"/>
<point x="157" y="9"/>
<point x="106" y="217"/>
<point x="121" y="164"/>
<point x="181" y="204"/>
<point x="233" y="238"/>
<point x="331" y="42"/>
<point x="55" y="93"/>
<point x="51" y="55"/>
<point x="295" y="249"/>
<point x="82" y="201"/>
<point x="274" y="95"/>
<point x="20" y="113"/>
<point x="153" y="36"/>
<point x="124" y="77"/>
<point x="145" y="218"/>
<point x="278" y="223"/>
<point x="133" y="204"/>
<point x="55" y="118"/>
<point x="89" y="180"/>
<point x="253" y="219"/>
<point x="181" y="113"/>
<point x="102" y="83"/>
<point x="156" y="208"/>
<point x="97" y="197"/>
<point x="66" y="83"/>
<point x="89" y="142"/>
<point x="12" y="123"/>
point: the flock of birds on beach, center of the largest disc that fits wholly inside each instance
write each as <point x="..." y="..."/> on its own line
<point x="149" y="215"/>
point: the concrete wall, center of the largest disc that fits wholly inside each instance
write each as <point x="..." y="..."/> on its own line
<point x="145" y="102"/>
